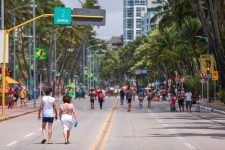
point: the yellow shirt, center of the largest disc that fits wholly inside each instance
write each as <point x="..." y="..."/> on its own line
<point x="22" y="94"/>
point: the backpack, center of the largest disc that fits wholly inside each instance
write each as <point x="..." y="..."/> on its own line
<point x="100" y="96"/>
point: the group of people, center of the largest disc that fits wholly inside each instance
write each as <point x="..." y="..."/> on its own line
<point x="97" y="95"/>
<point x="14" y="94"/>
<point x="129" y="96"/>
<point x="49" y="112"/>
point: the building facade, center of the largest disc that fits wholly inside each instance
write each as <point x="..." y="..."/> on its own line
<point x="115" y="42"/>
<point x="146" y="21"/>
<point x="133" y="10"/>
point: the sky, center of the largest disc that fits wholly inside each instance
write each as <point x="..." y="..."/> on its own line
<point x="114" y="17"/>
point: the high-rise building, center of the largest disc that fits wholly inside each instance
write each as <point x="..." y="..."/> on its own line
<point x="146" y="21"/>
<point x="133" y="10"/>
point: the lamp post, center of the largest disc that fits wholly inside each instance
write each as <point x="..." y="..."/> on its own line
<point x="34" y="46"/>
<point x="90" y="83"/>
<point x="14" y="35"/>
<point x="206" y="39"/>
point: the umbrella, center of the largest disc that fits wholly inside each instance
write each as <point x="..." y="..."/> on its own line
<point x="72" y="85"/>
<point x="9" y="80"/>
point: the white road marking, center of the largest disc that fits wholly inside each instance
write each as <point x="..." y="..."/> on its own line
<point x="160" y="121"/>
<point x="190" y="146"/>
<point x="12" y="143"/>
<point x="30" y="134"/>
<point x="165" y="125"/>
<point x="171" y="130"/>
<point x="179" y="138"/>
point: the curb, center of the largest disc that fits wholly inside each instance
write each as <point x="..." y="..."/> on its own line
<point x="18" y="115"/>
<point x="212" y="110"/>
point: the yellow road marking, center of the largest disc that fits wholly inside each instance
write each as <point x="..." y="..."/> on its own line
<point x="104" y="132"/>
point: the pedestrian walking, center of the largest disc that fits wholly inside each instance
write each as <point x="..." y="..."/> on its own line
<point x="23" y="97"/>
<point x="92" y="98"/>
<point x="149" y="98"/>
<point x="188" y="100"/>
<point x="129" y="99"/>
<point x="16" y="95"/>
<point x="100" y="99"/>
<point x="11" y="97"/>
<point x="48" y="108"/>
<point x="180" y="97"/>
<point x="122" y="94"/>
<point x="66" y="114"/>
<point x="172" y="102"/>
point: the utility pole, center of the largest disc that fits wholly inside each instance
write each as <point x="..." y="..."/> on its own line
<point x="2" y="15"/>
<point x="34" y="46"/>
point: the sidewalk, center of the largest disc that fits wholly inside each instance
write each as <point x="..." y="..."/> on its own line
<point x="215" y="106"/>
<point x="18" y="110"/>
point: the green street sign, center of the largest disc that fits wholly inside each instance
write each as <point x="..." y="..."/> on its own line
<point x="62" y="15"/>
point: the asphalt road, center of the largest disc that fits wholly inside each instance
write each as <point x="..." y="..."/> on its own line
<point x="113" y="128"/>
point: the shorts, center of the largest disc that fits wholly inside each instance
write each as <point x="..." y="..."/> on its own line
<point x="181" y="102"/>
<point x="188" y="103"/>
<point x="121" y="97"/>
<point x="129" y="100"/>
<point x="48" y="119"/>
<point x="149" y="98"/>
<point x="23" y="100"/>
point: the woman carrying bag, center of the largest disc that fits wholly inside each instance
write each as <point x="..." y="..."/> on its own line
<point x="66" y="114"/>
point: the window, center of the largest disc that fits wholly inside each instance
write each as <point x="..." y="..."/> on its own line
<point x="138" y="11"/>
<point x="130" y="35"/>
<point x="138" y="23"/>
<point x="143" y="2"/>
<point x="136" y="2"/>
<point x="130" y="3"/>
<point x="130" y="23"/>
<point x="130" y="12"/>
<point x="138" y="32"/>
<point x="143" y="9"/>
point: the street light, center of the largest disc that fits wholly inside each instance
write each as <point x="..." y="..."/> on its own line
<point x="14" y="35"/>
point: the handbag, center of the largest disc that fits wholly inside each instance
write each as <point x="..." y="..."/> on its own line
<point x="75" y="124"/>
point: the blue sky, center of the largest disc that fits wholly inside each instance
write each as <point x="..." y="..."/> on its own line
<point x="114" y="17"/>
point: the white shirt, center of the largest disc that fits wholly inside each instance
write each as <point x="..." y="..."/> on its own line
<point x="47" y="107"/>
<point x="188" y="96"/>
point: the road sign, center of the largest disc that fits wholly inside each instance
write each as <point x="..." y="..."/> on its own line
<point x="208" y="75"/>
<point x="203" y="81"/>
<point x="203" y="75"/>
<point x="207" y="62"/>
<point x="62" y="15"/>
<point x="2" y="46"/>
<point x="97" y="16"/>
<point x="215" y="75"/>
<point x="182" y="79"/>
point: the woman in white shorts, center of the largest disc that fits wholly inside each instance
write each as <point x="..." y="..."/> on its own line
<point x="66" y="114"/>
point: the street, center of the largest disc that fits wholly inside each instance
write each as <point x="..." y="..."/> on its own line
<point x="111" y="129"/>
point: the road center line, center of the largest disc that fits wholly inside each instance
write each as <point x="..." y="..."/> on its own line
<point x="190" y="146"/>
<point x="30" y="134"/>
<point x="103" y="134"/>
<point x="12" y="143"/>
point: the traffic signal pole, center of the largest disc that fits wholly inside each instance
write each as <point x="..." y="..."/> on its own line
<point x="4" y="51"/>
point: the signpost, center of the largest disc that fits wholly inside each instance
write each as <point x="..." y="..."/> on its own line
<point x="98" y="18"/>
<point x="62" y="15"/>
<point x="2" y="46"/>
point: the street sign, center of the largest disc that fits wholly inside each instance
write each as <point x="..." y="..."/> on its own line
<point x="182" y="79"/>
<point x="208" y="75"/>
<point x="203" y="75"/>
<point x="2" y="46"/>
<point x="207" y="63"/>
<point x="215" y="75"/>
<point x="62" y="15"/>
<point x="203" y="81"/>
<point x="97" y="17"/>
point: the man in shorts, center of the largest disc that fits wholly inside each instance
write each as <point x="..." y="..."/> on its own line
<point x="188" y="100"/>
<point x="48" y="108"/>
<point x="129" y="99"/>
